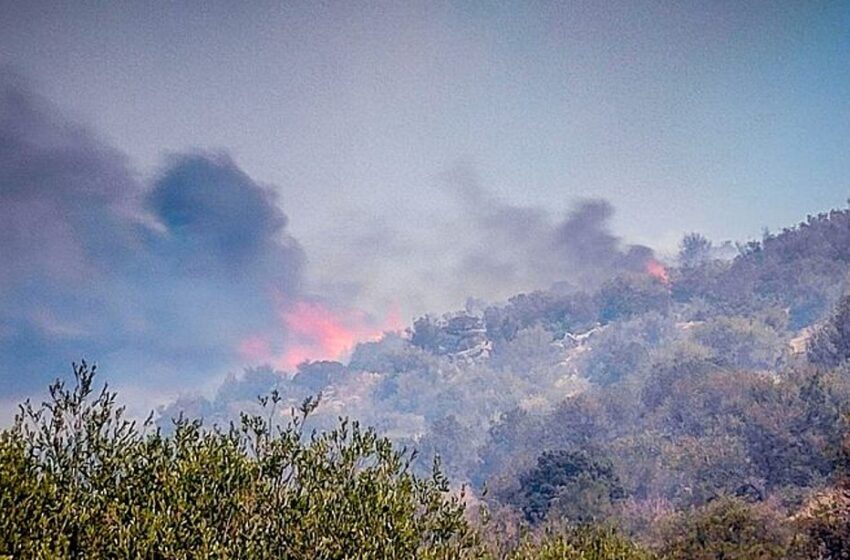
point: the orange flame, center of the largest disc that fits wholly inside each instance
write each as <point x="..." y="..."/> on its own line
<point x="316" y="332"/>
<point x="658" y="271"/>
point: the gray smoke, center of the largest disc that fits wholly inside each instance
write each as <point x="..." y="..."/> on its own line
<point x="159" y="281"/>
<point x="512" y="248"/>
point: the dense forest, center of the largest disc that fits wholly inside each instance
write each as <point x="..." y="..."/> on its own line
<point x="692" y="411"/>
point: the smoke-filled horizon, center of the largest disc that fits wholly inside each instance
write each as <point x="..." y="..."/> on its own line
<point x="173" y="282"/>
<point x="187" y="189"/>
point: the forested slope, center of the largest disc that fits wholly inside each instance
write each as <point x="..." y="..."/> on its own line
<point x="699" y="410"/>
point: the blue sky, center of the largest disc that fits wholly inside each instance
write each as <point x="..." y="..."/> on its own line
<point x="719" y="117"/>
<point x="724" y="117"/>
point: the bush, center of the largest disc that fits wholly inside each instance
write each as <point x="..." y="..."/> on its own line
<point x="78" y="480"/>
<point x="580" y="543"/>
<point x="572" y="485"/>
<point x="729" y="529"/>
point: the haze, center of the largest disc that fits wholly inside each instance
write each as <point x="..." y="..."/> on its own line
<point x="379" y="161"/>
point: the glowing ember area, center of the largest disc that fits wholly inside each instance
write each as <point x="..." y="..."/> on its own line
<point x="316" y="332"/>
<point x="658" y="271"/>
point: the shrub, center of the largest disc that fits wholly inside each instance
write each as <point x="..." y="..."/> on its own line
<point x="729" y="529"/>
<point x="78" y="480"/>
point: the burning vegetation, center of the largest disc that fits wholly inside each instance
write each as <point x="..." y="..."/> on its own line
<point x="617" y="407"/>
<point x="667" y="414"/>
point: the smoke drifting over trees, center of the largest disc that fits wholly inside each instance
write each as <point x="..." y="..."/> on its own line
<point x="521" y="247"/>
<point x="194" y="271"/>
<point x="160" y="278"/>
<point x="669" y="408"/>
<point x="584" y="380"/>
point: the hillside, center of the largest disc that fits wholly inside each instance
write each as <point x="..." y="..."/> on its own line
<point x="667" y="403"/>
<point x="691" y="388"/>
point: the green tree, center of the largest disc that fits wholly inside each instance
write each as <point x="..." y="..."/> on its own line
<point x="629" y="295"/>
<point x="729" y="529"/>
<point x="694" y="249"/>
<point x="80" y="481"/>
<point x="830" y="345"/>
<point x="580" y="543"/>
<point x="572" y="485"/>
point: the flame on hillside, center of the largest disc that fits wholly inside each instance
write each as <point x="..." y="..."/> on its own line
<point x="315" y="331"/>
<point x="658" y="271"/>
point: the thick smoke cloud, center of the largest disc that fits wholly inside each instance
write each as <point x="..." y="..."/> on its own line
<point x="158" y="282"/>
<point x="512" y="248"/>
<point x="220" y="221"/>
<point x="61" y="191"/>
<point x="177" y="280"/>
<point x="476" y="248"/>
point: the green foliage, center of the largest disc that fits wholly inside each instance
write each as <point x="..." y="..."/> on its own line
<point x="556" y="313"/>
<point x="694" y="250"/>
<point x="449" y="440"/>
<point x="80" y="481"/>
<point x="629" y="295"/>
<point x="580" y="543"/>
<point x="730" y="529"/>
<point x="830" y="345"/>
<point x="574" y="486"/>
<point x="77" y="480"/>
<point x="825" y="517"/>
<point x="624" y="349"/>
<point x="739" y="342"/>
<point x="690" y="389"/>
<point x="801" y="269"/>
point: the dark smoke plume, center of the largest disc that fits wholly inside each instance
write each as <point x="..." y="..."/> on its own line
<point x="156" y="281"/>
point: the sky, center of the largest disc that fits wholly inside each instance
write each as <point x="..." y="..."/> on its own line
<point x="391" y="158"/>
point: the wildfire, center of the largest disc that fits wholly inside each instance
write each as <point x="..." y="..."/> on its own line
<point x="658" y="271"/>
<point x="317" y="332"/>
